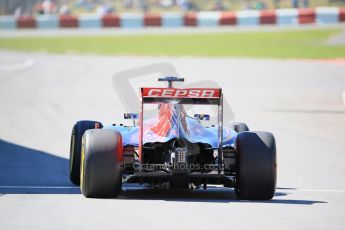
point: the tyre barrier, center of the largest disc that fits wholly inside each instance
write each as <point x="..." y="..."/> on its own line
<point x="110" y="20"/>
<point x="47" y="22"/>
<point x="228" y="19"/>
<point x="306" y="16"/>
<point x="172" y="20"/>
<point x="152" y="20"/>
<point x="131" y="20"/>
<point x="284" y="17"/>
<point x="66" y="21"/>
<point x="26" y="22"/>
<point x="268" y="17"/>
<point x="189" y="19"/>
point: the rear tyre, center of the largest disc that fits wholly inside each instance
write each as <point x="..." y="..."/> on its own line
<point x="75" y="148"/>
<point x="101" y="175"/>
<point x="256" y="171"/>
<point x="239" y="127"/>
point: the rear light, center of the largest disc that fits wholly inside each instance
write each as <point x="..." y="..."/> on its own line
<point x="181" y="155"/>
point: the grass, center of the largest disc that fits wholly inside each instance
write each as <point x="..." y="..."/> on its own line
<point x="272" y="44"/>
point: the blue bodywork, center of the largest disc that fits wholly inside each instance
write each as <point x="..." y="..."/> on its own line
<point x="209" y="135"/>
<point x="173" y="122"/>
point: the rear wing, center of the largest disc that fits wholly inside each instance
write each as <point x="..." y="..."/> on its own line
<point x="181" y="95"/>
<point x="210" y="96"/>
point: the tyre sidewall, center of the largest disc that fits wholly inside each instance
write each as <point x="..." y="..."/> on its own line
<point x="75" y="148"/>
<point x="256" y="165"/>
<point x="101" y="176"/>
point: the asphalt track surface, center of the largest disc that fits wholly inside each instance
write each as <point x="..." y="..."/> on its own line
<point x="42" y="95"/>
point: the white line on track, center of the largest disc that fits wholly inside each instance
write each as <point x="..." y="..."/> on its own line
<point x="316" y="190"/>
<point x="344" y="97"/>
<point x="37" y="187"/>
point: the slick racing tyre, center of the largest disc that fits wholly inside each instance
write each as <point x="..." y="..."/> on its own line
<point x="256" y="171"/>
<point x="75" y="148"/>
<point x="101" y="175"/>
<point x="239" y="127"/>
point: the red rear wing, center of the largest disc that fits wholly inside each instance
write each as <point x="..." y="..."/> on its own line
<point x="182" y="95"/>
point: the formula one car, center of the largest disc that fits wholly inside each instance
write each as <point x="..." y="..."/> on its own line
<point x="173" y="149"/>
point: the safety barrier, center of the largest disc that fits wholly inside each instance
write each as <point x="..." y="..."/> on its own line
<point x="67" y="21"/>
<point x="286" y="17"/>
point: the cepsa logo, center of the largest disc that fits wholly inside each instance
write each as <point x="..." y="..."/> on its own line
<point x="180" y="93"/>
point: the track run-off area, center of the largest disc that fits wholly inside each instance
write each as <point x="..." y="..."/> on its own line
<point x="43" y="95"/>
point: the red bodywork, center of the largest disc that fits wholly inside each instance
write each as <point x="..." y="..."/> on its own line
<point x="169" y="95"/>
